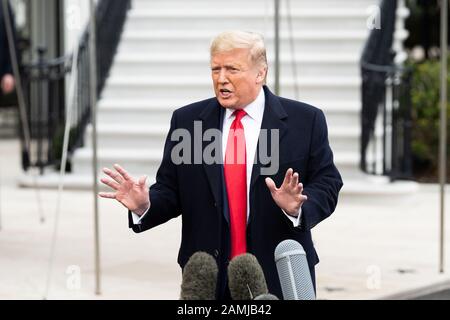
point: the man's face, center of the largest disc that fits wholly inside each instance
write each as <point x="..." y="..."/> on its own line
<point x="237" y="81"/>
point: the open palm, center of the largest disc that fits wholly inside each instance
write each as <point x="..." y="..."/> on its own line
<point x="289" y="195"/>
<point x="129" y="191"/>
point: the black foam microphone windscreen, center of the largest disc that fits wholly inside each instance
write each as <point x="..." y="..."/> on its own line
<point x="199" y="278"/>
<point x="246" y="278"/>
<point x="293" y="271"/>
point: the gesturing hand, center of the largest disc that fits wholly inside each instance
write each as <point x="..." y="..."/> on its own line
<point x="289" y="196"/>
<point x="130" y="192"/>
<point x="8" y="83"/>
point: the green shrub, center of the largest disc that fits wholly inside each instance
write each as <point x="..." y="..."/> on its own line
<point x="425" y="97"/>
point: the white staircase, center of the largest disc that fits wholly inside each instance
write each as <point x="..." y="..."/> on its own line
<point x="163" y="64"/>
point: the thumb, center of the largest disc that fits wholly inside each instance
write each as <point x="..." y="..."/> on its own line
<point x="271" y="185"/>
<point x="142" y="181"/>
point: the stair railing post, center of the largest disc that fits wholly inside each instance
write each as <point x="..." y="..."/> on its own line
<point x="93" y="103"/>
<point x="277" y="46"/>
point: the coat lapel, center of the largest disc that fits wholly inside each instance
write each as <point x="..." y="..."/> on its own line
<point x="273" y="118"/>
<point x="212" y="117"/>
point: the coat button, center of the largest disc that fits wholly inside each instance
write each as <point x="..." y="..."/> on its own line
<point x="216" y="253"/>
<point x="215" y="204"/>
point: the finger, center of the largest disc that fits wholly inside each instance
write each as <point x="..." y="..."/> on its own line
<point x="108" y="195"/>
<point x="300" y="187"/>
<point x="294" y="180"/>
<point x="303" y="198"/>
<point x="142" y="181"/>
<point x="288" y="176"/>
<point x="271" y="185"/>
<point x="110" y="183"/>
<point x="123" y="173"/>
<point x="7" y="87"/>
<point x="114" y="175"/>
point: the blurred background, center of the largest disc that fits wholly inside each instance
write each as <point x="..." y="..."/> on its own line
<point x="372" y="66"/>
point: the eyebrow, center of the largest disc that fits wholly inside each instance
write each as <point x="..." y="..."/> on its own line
<point x="227" y="66"/>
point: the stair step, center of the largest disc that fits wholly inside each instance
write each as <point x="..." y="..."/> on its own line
<point x="163" y="41"/>
<point x="180" y="5"/>
<point x="194" y="89"/>
<point x="128" y="137"/>
<point x="176" y="35"/>
<point x="135" y="161"/>
<point x="201" y="58"/>
<point x="250" y="19"/>
<point x="229" y="12"/>
<point x="200" y="81"/>
<point x="185" y="66"/>
<point x="359" y="34"/>
<point x="199" y="42"/>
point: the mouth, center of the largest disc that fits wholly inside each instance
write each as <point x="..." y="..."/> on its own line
<point x="225" y="93"/>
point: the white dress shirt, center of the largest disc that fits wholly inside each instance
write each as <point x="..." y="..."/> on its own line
<point x="252" y="125"/>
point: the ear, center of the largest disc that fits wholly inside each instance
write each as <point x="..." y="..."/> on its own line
<point x="261" y="75"/>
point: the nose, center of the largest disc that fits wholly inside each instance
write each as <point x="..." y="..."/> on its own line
<point x="222" y="76"/>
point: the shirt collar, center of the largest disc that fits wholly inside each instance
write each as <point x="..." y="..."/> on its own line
<point x="254" y="110"/>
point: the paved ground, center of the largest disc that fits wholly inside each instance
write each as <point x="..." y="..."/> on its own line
<point x="368" y="248"/>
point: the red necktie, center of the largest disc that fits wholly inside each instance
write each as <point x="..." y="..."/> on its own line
<point x="236" y="183"/>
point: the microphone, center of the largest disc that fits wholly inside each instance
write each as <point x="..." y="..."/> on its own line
<point x="246" y="278"/>
<point x="199" y="278"/>
<point x="293" y="271"/>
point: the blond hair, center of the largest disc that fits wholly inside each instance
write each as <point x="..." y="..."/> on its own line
<point x="230" y="40"/>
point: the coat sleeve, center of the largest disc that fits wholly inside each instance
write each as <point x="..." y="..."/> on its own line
<point x="164" y="193"/>
<point x="323" y="181"/>
<point x="6" y="64"/>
